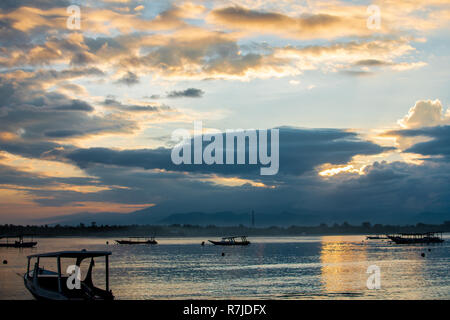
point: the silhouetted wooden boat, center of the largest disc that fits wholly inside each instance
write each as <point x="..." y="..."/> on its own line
<point x="17" y="243"/>
<point x="375" y="237"/>
<point x="408" y="238"/>
<point x="138" y="240"/>
<point x="231" y="241"/>
<point x="53" y="285"/>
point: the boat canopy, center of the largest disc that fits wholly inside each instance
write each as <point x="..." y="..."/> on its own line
<point x="235" y="237"/>
<point x="421" y="234"/>
<point x="138" y="237"/>
<point x="83" y="254"/>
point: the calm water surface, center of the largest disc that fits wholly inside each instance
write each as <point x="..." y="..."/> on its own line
<point x="329" y="267"/>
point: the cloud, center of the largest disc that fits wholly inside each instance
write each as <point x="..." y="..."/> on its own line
<point x="301" y="150"/>
<point x="368" y="66"/>
<point x="201" y="54"/>
<point x="142" y="45"/>
<point x="306" y="26"/>
<point x="111" y="102"/>
<point x="98" y="20"/>
<point x="371" y="63"/>
<point x="72" y="89"/>
<point x="391" y="191"/>
<point x="28" y="149"/>
<point x="357" y="73"/>
<point x="75" y="105"/>
<point x="9" y="5"/>
<point x="425" y="113"/>
<point x="387" y="193"/>
<point x="129" y="79"/>
<point x="62" y="133"/>
<point x="420" y="125"/>
<point x="197" y="52"/>
<point x="27" y="105"/>
<point x="188" y="93"/>
<point x="438" y="146"/>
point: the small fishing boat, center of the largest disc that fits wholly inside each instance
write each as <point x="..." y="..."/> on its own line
<point x="408" y="238"/>
<point x="54" y="285"/>
<point x="232" y="241"/>
<point x="138" y="240"/>
<point x="375" y="237"/>
<point x="17" y="242"/>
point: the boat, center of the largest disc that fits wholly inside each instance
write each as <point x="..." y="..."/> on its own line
<point x="407" y="238"/>
<point x="53" y="285"/>
<point x="18" y="242"/>
<point x="375" y="237"/>
<point x="232" y="241"/>
<point x="138" y="240"/>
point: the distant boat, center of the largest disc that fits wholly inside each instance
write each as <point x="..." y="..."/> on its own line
<point x="408" y="238"/>
<point x="232" y="241"/>
<point x="138" y="240"/>
<point x="375" y="237"/>
<point x="52" y="285"/>
<point x="17" y="243"/>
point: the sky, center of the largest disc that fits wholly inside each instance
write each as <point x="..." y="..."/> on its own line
<point x="359" y="91"/>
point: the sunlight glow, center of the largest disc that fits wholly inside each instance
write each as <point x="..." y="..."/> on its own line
<point x="348" y="169"/>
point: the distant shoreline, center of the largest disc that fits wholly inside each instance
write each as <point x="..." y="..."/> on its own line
<point x="175" y="230"/>
<point x="100" y="236"/>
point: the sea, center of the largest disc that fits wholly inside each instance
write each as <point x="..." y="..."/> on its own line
<point x="307" y="267"/>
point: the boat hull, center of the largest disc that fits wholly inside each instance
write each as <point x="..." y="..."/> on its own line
<point x="19" y="245"/>
<point x="41" y="294"/>
<point x="136" y="242"/>
<point x="228" y="243"/>
<point x="49" y="295"/>
<point x="400" y="240"/>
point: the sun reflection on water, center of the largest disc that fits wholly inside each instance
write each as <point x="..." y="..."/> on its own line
<point x="343" y="266"/>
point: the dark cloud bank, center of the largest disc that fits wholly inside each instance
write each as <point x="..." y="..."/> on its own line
<point x="387" y="193"/>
